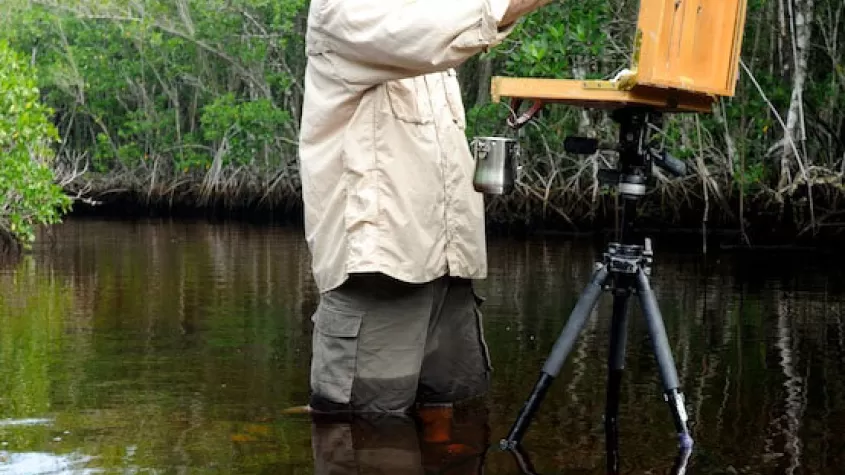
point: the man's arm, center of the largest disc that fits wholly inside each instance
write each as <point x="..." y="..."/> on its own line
<point x="373" y="41"/>
<point x="520" y="8"/>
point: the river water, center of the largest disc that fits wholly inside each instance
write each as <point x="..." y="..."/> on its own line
<point x="157" y="346"/>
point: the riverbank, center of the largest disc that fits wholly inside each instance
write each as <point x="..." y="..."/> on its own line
<point x="671" y="210"/>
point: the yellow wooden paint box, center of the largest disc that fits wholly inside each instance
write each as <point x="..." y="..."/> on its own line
<point x="685" y="54"/>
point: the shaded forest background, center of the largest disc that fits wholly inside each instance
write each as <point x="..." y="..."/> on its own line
<point x="195" y="104"/>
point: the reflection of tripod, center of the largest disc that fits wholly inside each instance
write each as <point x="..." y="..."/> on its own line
<point x="623" y="271"/>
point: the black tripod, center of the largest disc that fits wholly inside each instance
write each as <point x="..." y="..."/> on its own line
<point x="623" y="271"/>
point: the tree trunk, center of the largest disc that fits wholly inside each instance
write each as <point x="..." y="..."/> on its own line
<point x="802" y="24"/>
<point x="485" y="72"/>
<point x="730" y="144"/>
<point x="585" y="124"/>
<point x="782" y="35"/>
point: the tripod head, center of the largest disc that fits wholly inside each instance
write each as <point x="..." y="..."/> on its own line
<point x="638" y="149"/>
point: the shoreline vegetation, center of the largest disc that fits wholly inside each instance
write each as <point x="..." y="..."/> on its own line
<point x="192" y="107"/>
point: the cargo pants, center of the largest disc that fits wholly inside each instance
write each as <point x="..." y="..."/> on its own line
<point x="381" y="345"/>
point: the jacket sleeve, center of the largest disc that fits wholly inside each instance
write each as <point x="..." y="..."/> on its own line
<point x="373" y="41"/>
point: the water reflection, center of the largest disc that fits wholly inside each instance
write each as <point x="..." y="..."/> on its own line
<point x="174" y="347"/>
<point x="433" y="440"/>
<point x="437" y="440"/>
<point x="525" y="466"/>
<point x="44" y="463"/>
<point x="163" y="347"/>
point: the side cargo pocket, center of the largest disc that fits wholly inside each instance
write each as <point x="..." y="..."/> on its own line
<point x="335" y="352"/>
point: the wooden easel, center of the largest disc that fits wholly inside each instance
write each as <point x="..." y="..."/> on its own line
<point x="685" y="54"/>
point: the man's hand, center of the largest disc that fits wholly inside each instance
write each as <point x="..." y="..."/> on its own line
<point x="519" y="8"/>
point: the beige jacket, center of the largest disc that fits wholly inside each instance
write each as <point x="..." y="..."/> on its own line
<point x="385" y="165"/>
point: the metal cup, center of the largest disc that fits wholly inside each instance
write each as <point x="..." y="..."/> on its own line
<point x="496" y="164"/>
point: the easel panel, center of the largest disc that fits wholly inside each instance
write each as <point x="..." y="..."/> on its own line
<point x="589" y="95"/>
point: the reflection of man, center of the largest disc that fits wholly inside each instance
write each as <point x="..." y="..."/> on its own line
<point x="394" y="226"/>
<point x="438" y="441"/>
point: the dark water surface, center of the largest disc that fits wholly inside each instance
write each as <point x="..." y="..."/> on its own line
<point x="162" y="347"/>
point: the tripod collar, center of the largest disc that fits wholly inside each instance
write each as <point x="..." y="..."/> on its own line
<point x="628" y="259"/>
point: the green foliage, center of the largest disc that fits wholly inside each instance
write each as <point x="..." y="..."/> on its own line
<point x="30" y="196"/>
<point x="248" y="127"/>
<point x="563" y="35"/>
<point x="145" y="84"/>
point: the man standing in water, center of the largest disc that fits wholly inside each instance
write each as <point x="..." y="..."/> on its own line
<point x="395" y="228"/>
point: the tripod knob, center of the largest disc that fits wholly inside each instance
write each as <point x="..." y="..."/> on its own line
<point x="669" y="163"/>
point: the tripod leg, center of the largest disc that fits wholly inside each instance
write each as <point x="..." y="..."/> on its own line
<point x="665" y="361"/>
<point x="522" y="461"/>
<point x="615" y="367"/>
<point x="586" y="301"/>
